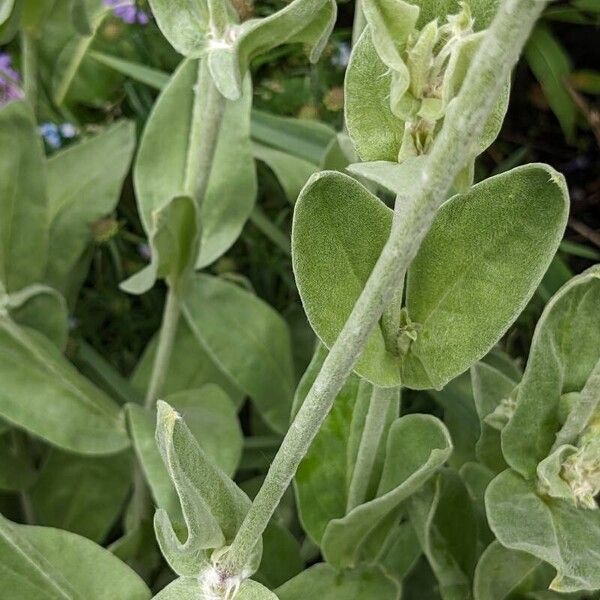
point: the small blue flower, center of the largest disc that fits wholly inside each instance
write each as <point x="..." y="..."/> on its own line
<point x="68" y="131"/>
<point x="50" y="133"/>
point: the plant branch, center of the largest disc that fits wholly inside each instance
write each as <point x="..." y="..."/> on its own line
<point x="166" y="338"/>
<point x="381" y="399"/>
<point x="453" y="148"/>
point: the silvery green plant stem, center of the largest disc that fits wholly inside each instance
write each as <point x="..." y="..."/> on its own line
<point x="454" y="146"/>
<point x="206" y="124"/>
<point x="381" y="398"/>
<point x="166" y="338"/>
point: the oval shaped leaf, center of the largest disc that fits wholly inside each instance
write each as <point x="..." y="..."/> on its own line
<point x="23" y="202"/>
<point x="248" y="340"/>
<point x="552" y="530"/>
<point x="43" y="393"/>
<point x="163" y="162"/>
<point x="41" y="563"/>
<point x="478" y="266"/>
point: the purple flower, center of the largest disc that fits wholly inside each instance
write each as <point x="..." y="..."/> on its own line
<point x="128" y="11"/>
<point x="9" y="81"/>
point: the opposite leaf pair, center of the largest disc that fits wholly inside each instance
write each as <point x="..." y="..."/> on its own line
<point x="474" y="273"/>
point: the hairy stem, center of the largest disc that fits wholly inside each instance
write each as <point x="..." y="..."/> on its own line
<point x="454" y="147"/>
<point x="166" y="338"/>
<point x="375" y="423"/>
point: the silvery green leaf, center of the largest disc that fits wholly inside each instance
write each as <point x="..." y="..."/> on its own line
<point x="291" y="172"/>
<point x="82" y="494"/>
<point x="476" y="478"/>
<point x="308" y="22"/>
<point x="328" y="479"/>
<point x="42" y="308"/>
<point x="483" y="11"/>
<point x="84" y="184"/>
<point x="340" y="229"/>
<point x="212" y="504"/>
<point x="328" y="583"/>
<point x="460" y="417"/>
<point x="400" y="552"/>
<point x="174" y="242"/>
<point x="188" y="588"/>
<point x="552" y="530"/>
<point x="6" y="8"/>
<point x="185" y="24"/>
<point x="211" y="417"/>
<point x="500" y="572"/>
<point x="491" y="390"/>
<point x="304" y="139"/>
<point x="69" y="61"/>
<point x="248" y="340"/>
<point x="191" y="367"/>
<point x="16" y="469"/>
<point x="391" y="22"/>
<point x="44" y="394"/>
<point x="402" y="179"/>
<point x="417" y="446"/>
<point x="23" y="202"/>
<point x="444" y="520"/>
<point x="564" y="351"/>
<point x="164" y="166"/>
<point x="375" y="131"/>
<point x="42" y="563"/>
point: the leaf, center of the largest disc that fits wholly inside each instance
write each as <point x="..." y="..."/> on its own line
<point x="84" y="185"/>
<point x="6" y="8"/>
<point x="291" y="172"/>
<point x="305" y="139"/>
<point x="16" y="471"/>
<point x="417" y="446"/>
<point x="44" y="394"/>
<point x="391" y="23"/>
<point x="471" y="267"/>
<point x="552" y="530"/>
<point x="23" y="203"/>
<point x="490" y="388"/>
<point x="138" y="72"/>
<point x="175" y="241"/>
<point x="483" y="11"/>
<point x="164" y="159"/>
<point x="501" y="571"/>
<point x="41" y="563"/>
<point x="551" y="66"/>
<point x="281" y="559"/>
<point x="80" y="17"/>
<point x="211" y="417"/>
<point x="444" y="520"/>
<point x="191" y="367"/>
<point x="326" y="480"/>
<point x="212" y="504"/>
<point x="248" y="340"/>
<point x="327" y="583"/>
<point x="187" y="588"/>
<point x="42" y="308"/>
<point x="309" y="22"/>
<point x="375" y="131"/>
<point x="82" y="494"/>
<point x="72" y="54"/>
<point x="564" y="350"/>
